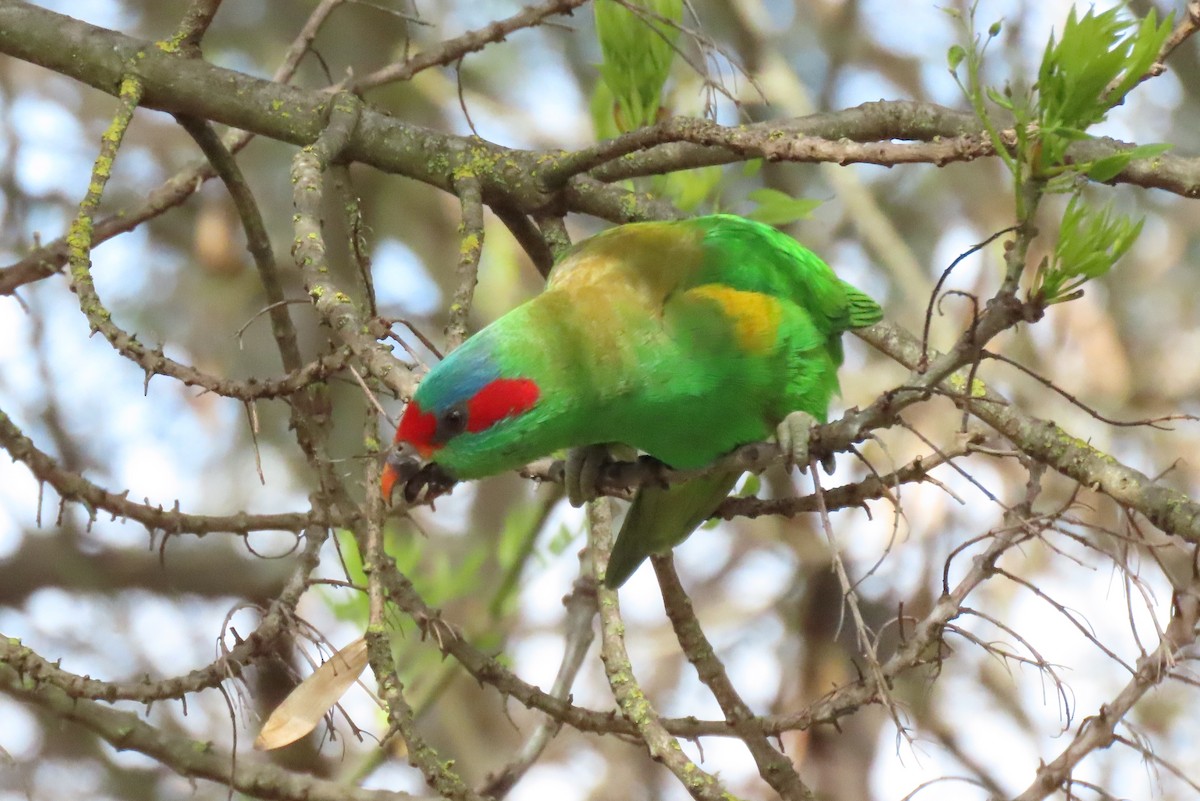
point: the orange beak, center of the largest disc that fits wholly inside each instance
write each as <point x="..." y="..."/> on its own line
<point x="405" y="469"/>
<point x="402" y="464"/>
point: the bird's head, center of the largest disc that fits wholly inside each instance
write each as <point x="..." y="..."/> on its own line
<point x="469" y="418"/>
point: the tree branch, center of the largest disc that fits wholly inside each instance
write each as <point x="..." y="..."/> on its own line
<point x="451" y="50"/>
<point x="1099" y="731"/>
<point x="191" y="758"/>
<point x="1044" y="441"/>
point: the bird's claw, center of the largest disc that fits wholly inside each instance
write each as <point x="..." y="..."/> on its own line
<point x="433" y="479"/>
<point x="581" y="472"/>
<point x="793" y="436"/>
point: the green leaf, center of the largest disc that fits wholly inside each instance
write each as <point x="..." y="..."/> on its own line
<point x="1107" y="168"/>
<point x="955" y="56"/>
<point x="1000" y="100"/>
<point x="688" y="189"/>
<point x="601" y="107"/>
<point x="562" y="540"/>
<point x="1149" y="151"/>
<point x="513" y="543"/>
<point x="1090" y="68"/>
<point x="638" y="49"/>
<point x="779" y="208"/>
<point x="1090" y="242"/>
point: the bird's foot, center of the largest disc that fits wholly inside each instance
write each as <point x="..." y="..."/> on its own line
<point x="429" y="482"/>
<point x="582" y="472"/>
<point x="793" y="436"/>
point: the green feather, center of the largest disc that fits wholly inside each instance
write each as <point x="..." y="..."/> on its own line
<point x="662" y="517"/>
<point x="863" y="310"/>
<point x="816" y="308"/>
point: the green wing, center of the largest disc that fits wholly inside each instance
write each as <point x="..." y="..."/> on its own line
<point x="754" y="257"/>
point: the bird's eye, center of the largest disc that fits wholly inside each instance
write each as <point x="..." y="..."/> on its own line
<point x="452" y="423"/>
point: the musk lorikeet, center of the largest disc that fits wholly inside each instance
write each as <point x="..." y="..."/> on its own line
<point x="681" y="339"/>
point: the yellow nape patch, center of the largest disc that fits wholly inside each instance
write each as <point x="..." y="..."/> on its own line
<point x="755" y="317"/>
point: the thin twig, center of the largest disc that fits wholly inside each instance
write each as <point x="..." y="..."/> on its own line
<point x="335" y="307"/>
<point x="45" y="260"/>
<point x="451" y="50"/>
<point x="774" y="767"/>
<point x="937" y="288"/>
<point x="258" y="242"/>
<point x="634" y="704"/>
<point x="581" y="612"/>
<point x="470" y="249"/>
<point x="1099" y="731"/>
<point x="194" y="25"/>
<point x="1151" y="422"/>
<point x="866" y="642"/>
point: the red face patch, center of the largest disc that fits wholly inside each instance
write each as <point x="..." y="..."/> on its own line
<point x="504" y="397"/>
<point x="501" y="399"/>
<point x="418" y="428"/>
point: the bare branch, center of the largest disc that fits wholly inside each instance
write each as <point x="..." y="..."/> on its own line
<point x="451" y="50"/>
<point x="631" y="699"/>
<point x="1099" y="730"/>
<point x="773" y="766"/>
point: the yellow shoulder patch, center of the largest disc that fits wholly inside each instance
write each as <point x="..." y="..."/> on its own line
<point x="755" y="317"/>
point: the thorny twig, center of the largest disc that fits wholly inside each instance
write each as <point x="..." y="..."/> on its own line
<point x="1099" y="730"/>
<point x="773" y="766"/>
<point x="452" y="50"/>
<point x="631" y="700"/>
<point x="45" y="260"/>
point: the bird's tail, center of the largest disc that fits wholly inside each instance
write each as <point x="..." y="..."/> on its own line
<point x="662" y="517"/>
<point x="864" y="311"/>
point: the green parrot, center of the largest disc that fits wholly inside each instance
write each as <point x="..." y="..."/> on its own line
<point x="681" y="339"/>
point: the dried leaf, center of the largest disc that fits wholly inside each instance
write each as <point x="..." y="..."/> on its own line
<point x="304" y="707"/>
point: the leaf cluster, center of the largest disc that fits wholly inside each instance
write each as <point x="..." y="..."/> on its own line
<point x="1085" y="72"/>
<point x="1089" y="243"/>
<point x="638" y="48"/>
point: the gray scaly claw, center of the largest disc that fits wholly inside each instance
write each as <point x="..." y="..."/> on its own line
<point x="581" y="472"/>
<point x="793" y="435"/>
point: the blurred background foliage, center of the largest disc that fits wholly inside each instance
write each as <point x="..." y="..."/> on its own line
<point x="499" y="555"/>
